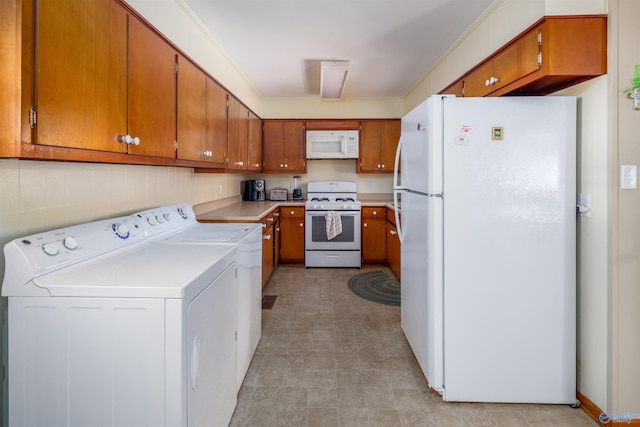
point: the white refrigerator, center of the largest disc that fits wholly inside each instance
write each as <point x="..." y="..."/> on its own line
<point x="487" y="191"/>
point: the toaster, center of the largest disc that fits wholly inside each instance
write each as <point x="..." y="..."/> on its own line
<point x="278" y="194"/>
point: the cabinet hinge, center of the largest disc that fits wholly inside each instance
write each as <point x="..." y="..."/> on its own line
<point x="33" y="117"/>
<point x="539" y="38"/>
<point x="175" y="145"/>
<point x="539" y="59"/>
<point x="176" y="67"/>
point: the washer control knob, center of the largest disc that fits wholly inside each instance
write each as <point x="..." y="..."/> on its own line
<point x="152" y="220"/>
<point x="50" y="249"/>
<point x="121" y="230"/>
<point x="167" y="216"/>
<point x="160" y="219"/>
<point x="70" y="243"/>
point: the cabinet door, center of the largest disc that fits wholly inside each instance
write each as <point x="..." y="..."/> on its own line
<point x="293" y="149"/>
<point x="237" y="130"/>
<point x="267" y="254"/>
<point x="192" y="109"/>
<point x="292" y="228"/>
<point x="393" y="249"/>
<point x="254" y="154"/>
<point x="216" y="141"/>
<point x="390" y="138"/>
<point x="374" y="244"/>
<point x="369" y="149"/>
<point x="272" y="139"/>
<point x="516" y="61"/>
<point x="152" y="92"/>
<point x="476" y="83"/>
<point x="81" y="74"/>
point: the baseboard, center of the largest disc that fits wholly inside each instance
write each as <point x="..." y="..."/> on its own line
<point x="595" y="413"/>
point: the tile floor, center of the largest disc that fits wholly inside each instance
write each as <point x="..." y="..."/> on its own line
<point x="329" y="358"/>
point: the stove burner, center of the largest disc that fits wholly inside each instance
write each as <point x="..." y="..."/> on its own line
<point x="345" y="199"/>
<point x="318" y="199"/>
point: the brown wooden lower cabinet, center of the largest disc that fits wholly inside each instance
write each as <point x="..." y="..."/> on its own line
<point x="374" y="235"/>
<point x="292" y="234"/>
<point x="393" y="244"/>
<point x="269" y="240"/>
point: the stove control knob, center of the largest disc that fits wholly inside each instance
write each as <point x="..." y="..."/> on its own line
<point x="70" y="243"/>
<point x="121" y="230"/>
<point x="152" y="220"/>
<point x="167" y="216"/>
<point x="50" y="249"/>
<point x="160" y="219"/>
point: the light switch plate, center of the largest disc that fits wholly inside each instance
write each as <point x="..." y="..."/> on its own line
<point x="629" y="177"/>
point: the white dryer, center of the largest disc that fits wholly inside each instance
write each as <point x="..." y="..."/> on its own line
<point x="106" y="328"/>
<point x="177" y="225"/>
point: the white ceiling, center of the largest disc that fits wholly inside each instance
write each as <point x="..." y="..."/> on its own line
<point x="278" y="44"/>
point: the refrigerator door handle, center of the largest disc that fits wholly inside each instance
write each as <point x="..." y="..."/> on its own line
<point x="397" y="215"/>
<point x="396" y="184"/>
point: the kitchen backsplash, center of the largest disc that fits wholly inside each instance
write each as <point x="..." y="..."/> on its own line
<point x="330" y="170"/>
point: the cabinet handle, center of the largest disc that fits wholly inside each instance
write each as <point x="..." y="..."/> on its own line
<point x="281" y="165"/>
<point x="378" y="165"/>
<point x="276" y="214"/>
<point x="365" y="225"/>
<point x="286" y="165"/>
<point x="239" y="163"/>
<point x="393" y="233"/>
<point x="383" y="166"/>
<point x="267" y="237"/>
<point x="129" y="140"/>
<point x="301" y="224"/>
<point x="293" y="212"/>
<point x="270" y="219"/>
<point x="256" y="165"/>
<point x="264" y="225"/>
<point x="375" y="212"/>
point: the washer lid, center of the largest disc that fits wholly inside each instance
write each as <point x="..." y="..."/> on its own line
<point x="212" y="234"/>
<point x="154" y="271"/>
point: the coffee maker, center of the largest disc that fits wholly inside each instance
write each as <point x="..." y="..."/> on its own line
<point x="253" y="190"/>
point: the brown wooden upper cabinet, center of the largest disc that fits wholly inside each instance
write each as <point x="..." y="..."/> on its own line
<point x="283" y="146"/>
<point x="152" y="92"/>
<point x="378" y="143"/>
<point x="254" y="156"/>
<point x="202" y="116"/>
<point x="238" y="130"/>
<point x="102" y="75"/>
<point x="216" y="143"/>
<point x="81" y="78"/>
<point x="192" y="111"/>
<point x="554" y="53"/>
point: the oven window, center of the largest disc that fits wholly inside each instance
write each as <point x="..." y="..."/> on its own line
<point x="319" y="229"/>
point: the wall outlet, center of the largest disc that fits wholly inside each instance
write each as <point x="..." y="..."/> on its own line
<point x="628" y="177"/>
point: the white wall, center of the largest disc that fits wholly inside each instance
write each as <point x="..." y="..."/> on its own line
<point x="592" y="239"/>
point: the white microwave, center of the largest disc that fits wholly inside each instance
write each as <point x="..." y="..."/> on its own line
<point x="332" y="144"/>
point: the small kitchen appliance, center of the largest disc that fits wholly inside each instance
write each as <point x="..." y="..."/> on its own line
<point x="297" y="191"/>
<point x="254" y="190"/>
<point x="278" y="194"/>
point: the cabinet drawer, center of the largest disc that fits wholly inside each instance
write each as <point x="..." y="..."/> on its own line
<point x="292" y="211"/>
<point x="373" y="212"/>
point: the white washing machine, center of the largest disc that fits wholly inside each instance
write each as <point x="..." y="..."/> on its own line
<point x="108" y="329"/>
<point x="177" y="225"/>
